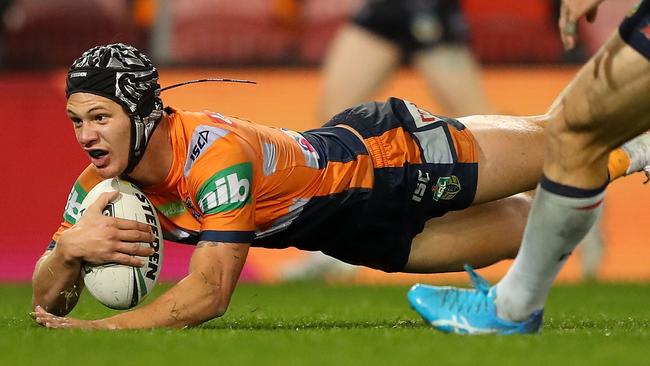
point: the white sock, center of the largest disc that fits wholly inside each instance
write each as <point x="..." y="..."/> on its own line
<point x="560" y="217"/>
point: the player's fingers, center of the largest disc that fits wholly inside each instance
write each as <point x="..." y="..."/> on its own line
<point x="38" y="310"/>
<point x="35" y="314"/>
<point x="103" y="200"/>
<point x="126" y="224"/>
<point x="56" y="322"/>
<point x="41" y="316"/>
<point x="563" y="18"/>
<point x="135" y="236"/>
<point x="40" y="320"/>
<point x="127" y="260"/>
<point x="142" y="250"/>
<point x="568" y="33"/>
<point x="566" y="43"/>
<point x="567" y="27"/>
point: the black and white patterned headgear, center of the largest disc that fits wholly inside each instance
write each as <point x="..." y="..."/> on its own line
<point x="123" y="74"/>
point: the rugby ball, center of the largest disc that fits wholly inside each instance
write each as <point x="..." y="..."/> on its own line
<point x="119" y="286"/>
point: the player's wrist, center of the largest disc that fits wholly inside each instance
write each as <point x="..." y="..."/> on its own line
<point x="103" y="324"/>
<point x="65" y="256"/>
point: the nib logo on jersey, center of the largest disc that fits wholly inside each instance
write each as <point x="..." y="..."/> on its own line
<point x="72" y="211"/>
<point x="227" y="190"/>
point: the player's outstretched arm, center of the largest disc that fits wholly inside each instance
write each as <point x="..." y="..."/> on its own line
<point x="570" y="12"/>
<point x="202" y="295"/>
<point x="56" y="282"/>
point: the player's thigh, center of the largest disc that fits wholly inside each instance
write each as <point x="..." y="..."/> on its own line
<point x="510" y="154"/>
<point x="480" y="235"/>
<point x="356" y="65"/>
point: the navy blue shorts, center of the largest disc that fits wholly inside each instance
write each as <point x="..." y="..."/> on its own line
<point x="423" y="167"/>
<point x="635" y="29"/>
<point x="414" y="25"/>
<point x="406" y="196"/>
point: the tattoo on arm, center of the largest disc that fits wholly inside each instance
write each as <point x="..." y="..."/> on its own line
<point x="71" y="295"/>
<point x="174" y="313"/>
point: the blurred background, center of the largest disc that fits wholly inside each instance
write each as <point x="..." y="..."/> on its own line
<point x="311" y="58"/>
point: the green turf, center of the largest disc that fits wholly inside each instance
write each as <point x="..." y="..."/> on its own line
<point x="314" y="324"/>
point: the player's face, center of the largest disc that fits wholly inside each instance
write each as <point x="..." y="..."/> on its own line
<point x="103" y="130"/>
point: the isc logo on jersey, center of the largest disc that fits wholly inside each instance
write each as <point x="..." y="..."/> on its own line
<point x="227" y="190"/>
<point x="202" y="138"/>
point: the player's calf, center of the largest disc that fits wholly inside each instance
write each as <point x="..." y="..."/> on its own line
<point x="574" y="158"/>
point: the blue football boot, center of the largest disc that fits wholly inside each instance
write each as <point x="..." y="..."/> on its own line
<point x="467" y="311"/>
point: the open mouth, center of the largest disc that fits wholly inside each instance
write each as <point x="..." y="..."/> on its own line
<point x="99" y="157"/>
<point x="97" y="153"/>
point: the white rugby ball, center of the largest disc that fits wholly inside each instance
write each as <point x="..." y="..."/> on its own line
<point x="119" y="286"/>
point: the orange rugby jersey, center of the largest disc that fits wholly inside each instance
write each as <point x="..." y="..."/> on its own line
<point x="232" y="180"/>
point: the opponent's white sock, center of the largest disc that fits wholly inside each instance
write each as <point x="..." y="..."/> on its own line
<point x="560" y="217"/>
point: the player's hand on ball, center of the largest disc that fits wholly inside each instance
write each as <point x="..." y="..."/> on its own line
<point x="98" y="239"/>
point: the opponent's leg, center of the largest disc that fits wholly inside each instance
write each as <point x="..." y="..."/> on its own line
<point x="355" y="67"/>
<point x="616" y="86"/>
<point x="592" y="248"/>
<point x="511" y="154"/>
<point x="605" y="105"/>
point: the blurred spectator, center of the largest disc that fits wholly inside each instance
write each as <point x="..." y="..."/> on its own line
<point x="431" y="35"/>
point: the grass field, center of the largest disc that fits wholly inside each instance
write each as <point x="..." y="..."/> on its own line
<point x="316" y="324"/>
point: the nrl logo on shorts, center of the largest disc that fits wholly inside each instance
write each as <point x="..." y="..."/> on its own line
<point x="446" y="188"/>
<point x="421" y="117"/>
